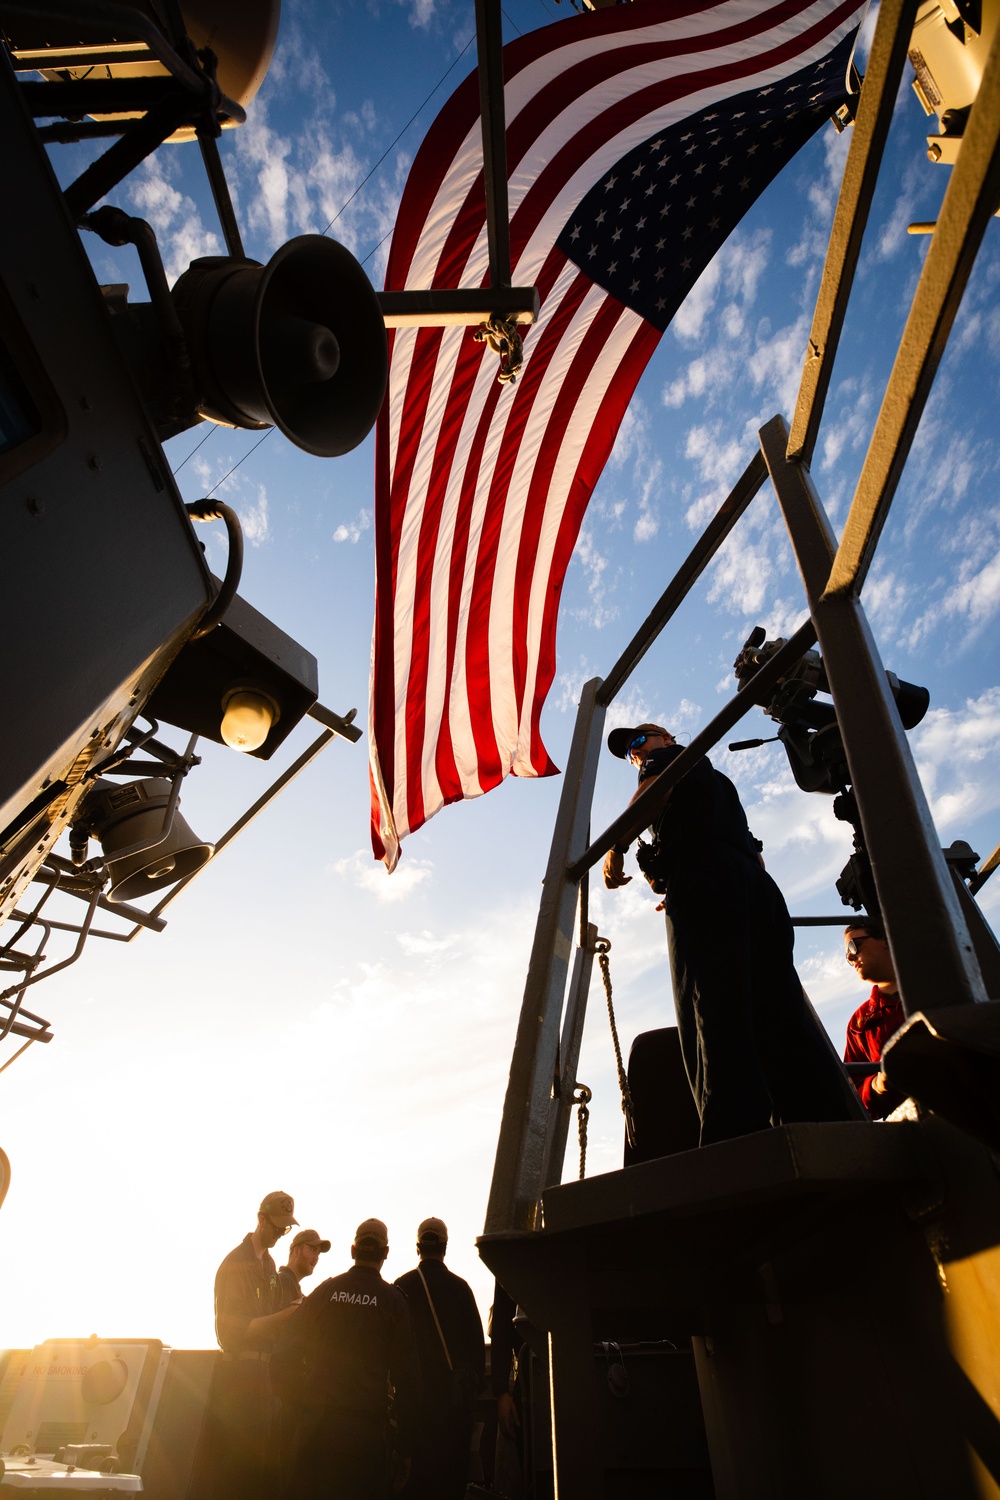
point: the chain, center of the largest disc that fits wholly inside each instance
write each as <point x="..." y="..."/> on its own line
<point x="603" y="948"/>
<point x="503" y="338"/>
<point x="581" y="1098"/>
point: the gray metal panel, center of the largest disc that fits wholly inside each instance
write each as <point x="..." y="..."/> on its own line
<point x="104" y="576"/>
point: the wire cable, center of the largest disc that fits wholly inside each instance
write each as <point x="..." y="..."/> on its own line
<point x="212" y="428"/>
<point x="399" y="137"/>
<point x="246" y="455"/>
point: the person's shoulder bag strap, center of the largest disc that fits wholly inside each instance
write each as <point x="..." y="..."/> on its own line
<point x="437" y="1321"/>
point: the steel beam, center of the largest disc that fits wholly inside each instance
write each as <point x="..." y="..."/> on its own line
<point x="687" y="575"/>
<point x="569" y="1058"/>
<point x="868" y="137"/>
<point x="520" y="1166"/>
<point x="489" y="45"/>
<point x="969" y="202"/>
<point x="462" y="308"/>
<point x="931" y="949"/>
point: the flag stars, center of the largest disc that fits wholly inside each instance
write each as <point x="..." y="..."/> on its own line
<point x="660" y="304"/>
<point x="691" y="202"/>
<point x="675" y="179"/>
<point x="650" y="190"/>
<point x="612" y="268"/>
<point x="717" y="190"/>
<point x="655" y="145"/>
<point x="751" y="149"/>
<point x="624" y="205"/>
<point x="725" y="161"/>
<point x="762" y="92"/>
<point x="713" y="116"/>
<point x="664" y="210"/>
<point x="660" y="244"/>
<point x="691" y="149"/>
<point x="663" y="161"/>
<point x="633" y="286"/>
<point x="660" y="273"/>
<point x="744" y="183"/>
<point x="591" y="252"/>
<point x="610" y="184"/>
<point x="601" y="216"/>
<point x="635" y="254"/>
<point x="638" y="169"/>
<point x="616" y="236"/>
<point x="713" y="223"/>
<point x="738" y="114"/>
<point x="699" y="169"/>
<point x="688" y="232"/>
<point x="640" y="225"/>
<point x="576" y="232"/>
<point x="686" y="263"/>
<point x="688" y="136"/>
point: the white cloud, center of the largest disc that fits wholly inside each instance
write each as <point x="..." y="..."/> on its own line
<point x="254" y="519"/>
<point x="352" y="531"/>
<point x="955" y="751"/>
<point x="172" y="215"/>
<point x="594" y="563"/>
<point x="363" y="871"/>
<point x="425" y="944"/>
<point x="776" y="363"/>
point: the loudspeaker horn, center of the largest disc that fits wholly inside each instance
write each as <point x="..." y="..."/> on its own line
<point x="299" y="343"/>
<point x="128" y="820"/>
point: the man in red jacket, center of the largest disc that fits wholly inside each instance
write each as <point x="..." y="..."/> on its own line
<point x="873" y="1023"/>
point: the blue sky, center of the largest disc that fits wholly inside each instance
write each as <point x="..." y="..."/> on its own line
<point x="306" y="1022"/>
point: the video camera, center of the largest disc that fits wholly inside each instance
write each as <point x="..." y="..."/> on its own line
<point x="810" y="733"/>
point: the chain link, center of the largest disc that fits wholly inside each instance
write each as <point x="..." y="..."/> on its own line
<point x="603" y="948"/>
<point x="581" y="1098"/>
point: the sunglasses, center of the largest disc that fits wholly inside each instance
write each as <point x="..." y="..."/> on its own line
<point x="637" y="743"/>
<point x="854" y="947"/>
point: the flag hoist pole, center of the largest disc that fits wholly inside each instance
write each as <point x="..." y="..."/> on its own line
<point x="489" y="46"/>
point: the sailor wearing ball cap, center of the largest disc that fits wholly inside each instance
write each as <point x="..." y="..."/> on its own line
<point x="350" y="1339"/>
<point x="303" y="1255"/>
<point x="449" y="1334"/>
<point x="753" y="1052"/>
<point x="248" y="1317"/>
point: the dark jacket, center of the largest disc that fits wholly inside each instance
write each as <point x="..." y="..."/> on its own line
<point x="347" y="1341"/>
<point x="460" y="1323"/>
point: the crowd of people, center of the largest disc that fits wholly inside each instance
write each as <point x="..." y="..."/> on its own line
<point x="357" y="1389"/>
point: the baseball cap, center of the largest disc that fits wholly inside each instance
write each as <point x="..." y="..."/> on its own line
<point x="372" y="1232"/>
<point x="310" y="1237"/>
<point x="278" y="1203"/>
<point x="620" y="739"/>
<point x="432" y="1230"/>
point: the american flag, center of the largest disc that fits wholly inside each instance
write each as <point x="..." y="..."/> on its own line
<point x="637" y="138"/>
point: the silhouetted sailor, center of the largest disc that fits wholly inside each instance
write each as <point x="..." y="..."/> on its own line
<point x="449" y="1335"/>
<point x="348" y="1343"/>
<point x="753" y="1053"/>
<point x="237" y="1458"/>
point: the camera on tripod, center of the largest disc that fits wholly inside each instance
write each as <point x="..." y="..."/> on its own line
<point x="808" y="729"/>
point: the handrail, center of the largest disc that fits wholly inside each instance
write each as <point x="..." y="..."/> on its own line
<point x="641" y="812"/>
